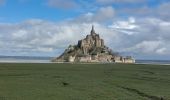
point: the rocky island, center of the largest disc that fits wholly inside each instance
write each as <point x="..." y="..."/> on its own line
<point x="91" y="49"/>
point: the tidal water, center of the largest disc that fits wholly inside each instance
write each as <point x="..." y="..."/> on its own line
<point x="26" y="59"/>
<point x="153" y="62"/>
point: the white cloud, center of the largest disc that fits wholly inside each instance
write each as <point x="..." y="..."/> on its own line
<point x="43" y="36"/>
<point x="126" y="27"/>
<point x="125" y="24"/>
<point x="44" y="49"/>
<point x="19" y="34"/>
<point x="152" y="38"/>
<point x="148" y="35"/>
<point x="162" y="51"/>
<point x="147" y="46"/>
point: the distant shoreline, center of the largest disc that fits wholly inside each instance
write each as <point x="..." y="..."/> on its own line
<point x="48" y="62"/>
<point x="22" y="59"/>
<point x="150" y="64"/>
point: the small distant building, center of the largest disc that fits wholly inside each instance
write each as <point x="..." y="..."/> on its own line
<point x="118" y="59"/>
<point x="84" y="58"/>
<point x="71" y="59"/>
<point x="91" y="49"/>
<point x="129" y="59"/>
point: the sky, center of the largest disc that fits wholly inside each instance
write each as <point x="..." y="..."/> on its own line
<point x="138" y="28"/>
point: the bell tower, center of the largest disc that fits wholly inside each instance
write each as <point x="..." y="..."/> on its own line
<point x="93" y="31"/>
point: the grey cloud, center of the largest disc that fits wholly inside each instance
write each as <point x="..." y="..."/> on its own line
<point x="137" y="36"/>
<point x="141" y="11"/>
<point x="103" y="14"/>
<point x="146" y="34"/>
<point x="159" y="11"/>
<point x="163" y="11"/>
<point x="43" y="36"/>
<point x="151" y="37"/>
<point x="38" y="35"/>
<point x="63" y="4"/>
<point x="119" y="1"/>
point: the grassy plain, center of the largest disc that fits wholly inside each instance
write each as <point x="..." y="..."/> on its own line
<point x="84" y="82"/>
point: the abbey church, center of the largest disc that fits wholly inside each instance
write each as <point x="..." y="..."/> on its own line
<point x="92" y="40"/>
<point x="91" y="49"/>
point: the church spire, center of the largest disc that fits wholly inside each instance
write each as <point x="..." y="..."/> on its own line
<point x="92" y="30"/>
<point x="92" y="27"/>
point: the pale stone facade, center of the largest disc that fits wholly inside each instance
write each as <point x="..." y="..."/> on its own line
<point x="129" y="60"/>
<point x="71" y="58"/>
<point x="84" y="59"/>
<point x="92" y="40"/>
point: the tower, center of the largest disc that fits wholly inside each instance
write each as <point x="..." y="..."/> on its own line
<point x="93" y="31"/>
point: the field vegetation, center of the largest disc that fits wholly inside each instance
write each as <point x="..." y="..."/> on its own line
<point x="84" y="82"/>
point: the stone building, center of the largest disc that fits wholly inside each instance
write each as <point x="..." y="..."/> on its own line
<point x="91" y="49"/>
<point x="92" y="40"/>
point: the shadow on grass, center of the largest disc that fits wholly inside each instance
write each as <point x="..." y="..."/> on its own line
<point x="142" y="94"/>
<point x="65" y="84"/>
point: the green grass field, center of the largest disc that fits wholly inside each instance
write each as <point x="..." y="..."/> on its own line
<point x="84" y="82"/>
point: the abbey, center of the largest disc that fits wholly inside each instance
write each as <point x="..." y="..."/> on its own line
<point x="92" y="40"/>
<point x="91" y="49"/>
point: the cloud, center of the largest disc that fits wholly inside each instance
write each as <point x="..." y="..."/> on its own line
<point x="163" y="12"/>
<point x="44" y="37"/>
<point x="147" y="46"/>
<point x="162" y="50"/>
<point x="103" y="14"/>
<point x="152" y="48"/>
<point x="119" y="1"/>
<point x="38" y="35"/>
<point x="69" y="4"/>
<point x="159" y="11"/>
<point x="151" y="37"/>
<point x="41" y="36"/>
<point x="125" y="26"/>
<point x="142" y="36"/>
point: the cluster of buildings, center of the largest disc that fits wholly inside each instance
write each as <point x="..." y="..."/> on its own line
<point x="91" y="49"/>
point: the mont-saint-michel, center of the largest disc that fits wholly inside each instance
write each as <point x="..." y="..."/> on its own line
<point x="91" y="49"/>
<point x="49" y="50"/>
